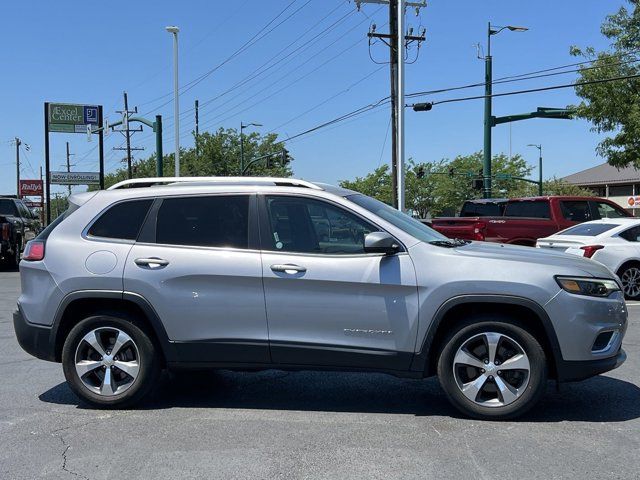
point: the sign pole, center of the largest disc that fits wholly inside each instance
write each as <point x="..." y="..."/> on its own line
<point x="46" y="160"/>
<point x="101" y="146"/>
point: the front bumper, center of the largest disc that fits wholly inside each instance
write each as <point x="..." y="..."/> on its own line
<point x="34" y="339"/>
<point x="569" y="371"/>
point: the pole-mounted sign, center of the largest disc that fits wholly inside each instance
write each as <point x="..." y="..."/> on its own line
<point x="72" y="118"/>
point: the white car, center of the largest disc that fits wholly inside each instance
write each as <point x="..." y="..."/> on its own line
<point x="614" y="242"/>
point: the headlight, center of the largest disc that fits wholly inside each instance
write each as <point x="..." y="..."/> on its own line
<point x="592" y="287"/>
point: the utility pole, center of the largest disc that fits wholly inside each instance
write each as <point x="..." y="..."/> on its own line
<point x="197" y="131"/>
<point x="69" y="165"/>
<point x="397" y="41"/>
<point x="127" y="132"/>
<point x="539" y="147"/>
<point x="18" y="143"/>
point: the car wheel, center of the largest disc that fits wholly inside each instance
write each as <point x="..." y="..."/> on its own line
<point x="110" y="362"/>
<point x="492" y="368"/>
<point x="630" y="278"/>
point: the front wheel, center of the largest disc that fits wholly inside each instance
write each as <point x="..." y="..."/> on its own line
<point x="109" y="361"/>
<point x="630" y="278"/>
<point x="491" y="368"/>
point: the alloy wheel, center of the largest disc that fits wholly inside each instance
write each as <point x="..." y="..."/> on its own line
<point x="631" y="282"/>
<point x="491" y="369"/>
<point x="107" y="361"/>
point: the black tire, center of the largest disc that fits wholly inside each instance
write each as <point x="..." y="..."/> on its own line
<point x="465" y="334"/>
<point x="148" y="360"/>
<point x="628" y="275"/>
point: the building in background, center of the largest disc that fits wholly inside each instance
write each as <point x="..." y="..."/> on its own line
<point x="616" y="184"/>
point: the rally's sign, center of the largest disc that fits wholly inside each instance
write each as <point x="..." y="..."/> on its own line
<point x="71" y="118"/>
<point x="75" y="178"/>
<point x="30" y="188"/>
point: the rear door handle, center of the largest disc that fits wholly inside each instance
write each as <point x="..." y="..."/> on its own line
<point x="288" y="268"/>
<point x="152" y="262"/>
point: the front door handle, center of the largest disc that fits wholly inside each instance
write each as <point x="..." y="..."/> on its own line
<point x="152" y="262"/>
<point x="288" y="268"/>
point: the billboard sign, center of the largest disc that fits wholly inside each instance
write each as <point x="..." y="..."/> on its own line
<point x="633" y="201"/>
<point x="71" y="118"/>
<point x="30" y="188"/>
<point x="75" y="178"/>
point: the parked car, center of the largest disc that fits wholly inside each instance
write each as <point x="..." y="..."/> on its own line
<point x="267" y="273"/>
<point x="18" y="225"/>
<point x="521" y="221"/>
<point x="614" y="242"/>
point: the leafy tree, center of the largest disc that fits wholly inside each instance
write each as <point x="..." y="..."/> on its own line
<point x="614" y="107"/>
<point x="432" y="190"/>
<point x="557" y="186"/>
<point x="219" y="155"/>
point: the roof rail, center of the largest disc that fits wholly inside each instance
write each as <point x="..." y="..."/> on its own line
<point x="157" y="181"/>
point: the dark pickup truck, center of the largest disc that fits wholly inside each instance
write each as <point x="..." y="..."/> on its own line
<point x="18" y="225"/>
<point x="521" y="221"/>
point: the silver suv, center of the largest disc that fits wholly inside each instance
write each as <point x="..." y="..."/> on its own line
<point x="264" y="273"/>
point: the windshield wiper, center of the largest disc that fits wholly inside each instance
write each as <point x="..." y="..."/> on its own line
<point x="450" y="243"/>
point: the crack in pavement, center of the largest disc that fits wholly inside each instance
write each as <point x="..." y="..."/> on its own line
<point x="65" y="459"/>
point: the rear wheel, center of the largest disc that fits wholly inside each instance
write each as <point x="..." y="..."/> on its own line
<point x="492" y="368"/>
<point x="110" y="362"/>
<point x="630" y="278"/>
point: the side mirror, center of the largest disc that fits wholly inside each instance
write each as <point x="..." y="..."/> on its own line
<point x="380" y="242"/>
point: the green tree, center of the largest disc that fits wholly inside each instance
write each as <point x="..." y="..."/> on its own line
<point x="557" y="186"/>
<point x="431" y="190"/>
<point x="219" y="155"/>
<point x="614" y="107"/>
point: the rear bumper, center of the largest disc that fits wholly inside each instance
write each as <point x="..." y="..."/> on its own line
<point x="573" y="371"/>
<point x="36" y="340"/>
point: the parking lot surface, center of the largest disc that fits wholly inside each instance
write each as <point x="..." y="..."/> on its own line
<point x="308" y="425"/>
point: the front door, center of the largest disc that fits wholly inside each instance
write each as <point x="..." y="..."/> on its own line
<point x="197" y="264"/>
<point x="328" y="302"/>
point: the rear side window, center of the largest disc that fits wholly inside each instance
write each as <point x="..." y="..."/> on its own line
<point x="489" y="209"/>
<point x="528" y="209"/>
<point x="212" y="221"/>
<point x="606" y="210"/>
<point x="632" y="234"/>
<point x="8" y="207"/>
<point x="575" y="211"/>
<point x="589" y="229"/>
<point x="122" y="221"/>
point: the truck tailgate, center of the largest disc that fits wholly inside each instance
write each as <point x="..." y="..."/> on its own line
<point x="457" y="227"/>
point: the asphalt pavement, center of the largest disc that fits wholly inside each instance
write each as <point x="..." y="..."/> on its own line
<point x="308" y="425"/>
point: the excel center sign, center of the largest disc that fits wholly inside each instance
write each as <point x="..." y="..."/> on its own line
<point x="71" y="118"/>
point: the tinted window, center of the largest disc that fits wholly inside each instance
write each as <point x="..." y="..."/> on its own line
<point x="488" y="209"/>
<point x="311" y="226"/>
<point x="8" y="207"/>
<point x="632" y="234"/>
<point x="588" y="229"/>
<point x="620" y="190"/>
<point x="576" y="211"/>
<point x="123" y="220"/>
<point x="605" y="210"/>
<point x="528" y="209"/>
<point x="212" y="221"/>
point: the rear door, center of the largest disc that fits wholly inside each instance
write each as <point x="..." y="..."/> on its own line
<point x="197" y="263"/>
<point x="328" y="302"/>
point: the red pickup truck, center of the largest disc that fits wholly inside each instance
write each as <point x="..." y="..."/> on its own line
<point x="521" y="221"/>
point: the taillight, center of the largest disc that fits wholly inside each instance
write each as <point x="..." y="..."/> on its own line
<point x="589" y="250"/>
<point x="6" y="232"/>
<point x="34" y="251"/>
<point x="479" y="230"/>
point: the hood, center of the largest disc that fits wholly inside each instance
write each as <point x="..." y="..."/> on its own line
<point x="537" y="256"/>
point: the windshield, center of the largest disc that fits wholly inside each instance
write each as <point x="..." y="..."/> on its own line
<point x="7" y="207"/>
<point x="401" y="220"/>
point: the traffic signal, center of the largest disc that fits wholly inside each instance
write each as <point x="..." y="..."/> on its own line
<point x="286" y="158"/>
<point x="477" y="184"/>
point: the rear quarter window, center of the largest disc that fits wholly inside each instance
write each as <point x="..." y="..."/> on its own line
<point x="122" y="221"/>
<point x="528" y="209"/>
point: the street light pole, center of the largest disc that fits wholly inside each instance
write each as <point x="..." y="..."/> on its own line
<point x="242" y="127"/>
<point x="176" y="105"/>
<point x="488" y="120"/>
<point x="539" y="147"/>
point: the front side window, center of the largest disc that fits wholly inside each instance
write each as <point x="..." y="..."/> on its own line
<point x="528" y="209"/>
<point x="305" y="225"/>
<point x="122" y="221"/>
<point x="575" y="211"/>
<point x="606" y="210"/>
<point x="211" y="221"/>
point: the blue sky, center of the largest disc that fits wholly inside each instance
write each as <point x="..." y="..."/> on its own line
<point x="79" y="52"/>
